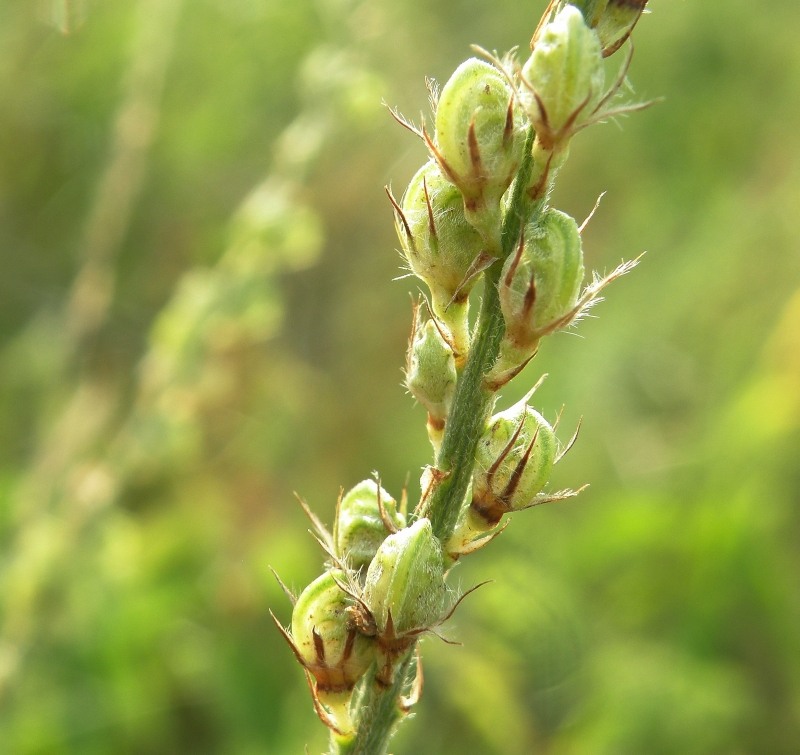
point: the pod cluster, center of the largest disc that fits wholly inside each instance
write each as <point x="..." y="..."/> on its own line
<point x="385" y="584"/>
<point x="450" y="218"/>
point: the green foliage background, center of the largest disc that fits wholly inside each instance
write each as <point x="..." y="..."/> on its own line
<point x="197" y="317"/>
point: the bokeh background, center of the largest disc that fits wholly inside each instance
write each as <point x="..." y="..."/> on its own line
<point x="198" y="317"/>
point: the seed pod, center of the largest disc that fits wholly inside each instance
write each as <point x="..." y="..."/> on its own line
<point x="514" y="459"/>
<point x="360" y="527"/>
<point x="480" y="133"/>
<point x="540" y="284"/>
<point x="431" y="374"/>
<point x="614" y="23"/>
<point x="471" y="533"/>
<point x="405" y="588"/>
<point x="438" y="242"/>
<point x="563" y="78"/>
<point x="323" y="636"/>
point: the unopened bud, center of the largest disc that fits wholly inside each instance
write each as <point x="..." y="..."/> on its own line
<point x="514" y="459"/>
<point x="405" y="588"/>
<point x="480" y="133"/>
<point x="324" y="638"/>
<point x="563" y="78"/>
<point x="360" y="525"/>
<point x="431" y="374"/>
<point x="541" y="282"/>
<point x="438" y="242"/>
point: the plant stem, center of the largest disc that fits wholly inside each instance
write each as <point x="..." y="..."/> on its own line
<point x="377" y="714"/>
<point x="377" y="708"/>
<point x="472" y="401"/>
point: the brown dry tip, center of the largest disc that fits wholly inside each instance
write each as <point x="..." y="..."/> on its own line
<point x="435" y="423"/>
<point x="489" y="508"/>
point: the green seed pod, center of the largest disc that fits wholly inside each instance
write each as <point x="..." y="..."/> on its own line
<point x="513" y="462"/>
<point x="360" y="528"/>
<point x="480" y="133"/>
<point x="563" y="78"/>
<point x="615" y="24"/>
<point x="540" y="284"/>
<point x="470" y="534"/>
<point x="438" y="242"/>
<point x="431" y="373"/>
<point x="405" y="588"/>
<point x="325" y="641"/>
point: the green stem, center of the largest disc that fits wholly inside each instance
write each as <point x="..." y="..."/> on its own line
<point x="377" y="714"/>
<point x="472" y="402"/>
<point x="377" y="711"/>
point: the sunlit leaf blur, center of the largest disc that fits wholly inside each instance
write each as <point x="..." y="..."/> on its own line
<point x="199" y="315"/>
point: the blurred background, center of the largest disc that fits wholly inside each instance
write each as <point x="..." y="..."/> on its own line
<point x="198" y="317"/>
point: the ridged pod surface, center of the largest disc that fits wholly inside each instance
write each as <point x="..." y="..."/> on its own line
<point x="542" y="284"/>
<point x="406" y="580"/>
<point x="331" y="650"/>
<point x="438" y="242"/>
<point x="478" y="99"/>
<point x="360" y="529"/>
<point x="563" y="79"/>
<point x="514" y="460"/>
<point x="431" y="371"/>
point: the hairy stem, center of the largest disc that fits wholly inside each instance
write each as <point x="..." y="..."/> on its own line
<point x="472" y="401"/>
<point x="378" y="713"/>
<point x="378" y="710"/>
